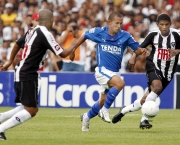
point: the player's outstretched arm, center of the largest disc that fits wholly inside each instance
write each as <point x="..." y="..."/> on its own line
<point x="72" y="48"/>
<point x="14" y="51"/>
<point x="140" y="51"/>
<point x="78" y="43"/>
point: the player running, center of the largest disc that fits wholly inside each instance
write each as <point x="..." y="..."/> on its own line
<point x="111" y="44"/>
<point x="160" y="65"/>
<point x="35" y="43"/>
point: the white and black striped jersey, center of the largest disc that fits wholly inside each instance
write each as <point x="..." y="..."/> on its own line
<point x="160" y="58"/>
<point x="35" y="44"/>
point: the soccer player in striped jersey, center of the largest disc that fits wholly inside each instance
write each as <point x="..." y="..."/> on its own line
<point x="111" y="44"/>
<point x="160" y="65"/>
<point x="35" y="43"/>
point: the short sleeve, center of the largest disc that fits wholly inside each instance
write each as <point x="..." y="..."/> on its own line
<point x="132" y="43"/>
<point x="53" y="45"/>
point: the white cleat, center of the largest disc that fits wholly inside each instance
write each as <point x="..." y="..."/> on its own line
<point x="100" y="114"/>
<point x="104" y="115"/>
<point x="85" y="124"/>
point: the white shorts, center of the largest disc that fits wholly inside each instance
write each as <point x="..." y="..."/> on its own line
<point x="102" y="76"/>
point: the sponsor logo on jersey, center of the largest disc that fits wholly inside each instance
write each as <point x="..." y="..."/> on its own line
<point x="111" y="49"/>
<point x="163" y="54"/>
<point x="57" y="47"/>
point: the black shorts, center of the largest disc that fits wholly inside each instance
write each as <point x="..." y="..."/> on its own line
<point x="156" y="75"/>
<point x="26" y="93"/>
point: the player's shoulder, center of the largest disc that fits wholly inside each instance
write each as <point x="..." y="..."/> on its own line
<point x="152" y="33"/>
<point x="43" y="29"/>
<point x="173" y="30"/>
<point x="44" y="33"/>
<point x="124" y="33"/>
<point x="97" y="29"/>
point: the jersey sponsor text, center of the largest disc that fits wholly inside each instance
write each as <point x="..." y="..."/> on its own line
<point x="111" y="49"/>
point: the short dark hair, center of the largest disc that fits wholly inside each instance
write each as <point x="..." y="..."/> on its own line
<point x="163" y="17"/>
<point x="113" y="14"/>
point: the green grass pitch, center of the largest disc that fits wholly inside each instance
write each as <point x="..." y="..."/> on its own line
<point x="63" y="127"/>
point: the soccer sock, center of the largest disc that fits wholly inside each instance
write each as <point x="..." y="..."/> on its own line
<point x="111" y="96"/>
<point x="133" y="107"/>
<point x="152" y="96"/>
<point x="143" y="118"/>
<point x="10" y="113"/>
<point x="93" y="111"/>
<point x="15" y="120"/>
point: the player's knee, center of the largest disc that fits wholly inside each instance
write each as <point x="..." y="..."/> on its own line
<point x="32" y="111"/>
<point x="157" y="89"/>
<point x="120" y="85"/>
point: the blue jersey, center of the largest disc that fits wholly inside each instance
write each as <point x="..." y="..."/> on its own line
<point x="110" y="49"/>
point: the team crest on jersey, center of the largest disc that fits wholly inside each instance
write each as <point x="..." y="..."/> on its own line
<point x="173" y="45"/>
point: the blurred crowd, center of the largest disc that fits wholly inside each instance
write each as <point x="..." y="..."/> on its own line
<point x="72" y="18"/>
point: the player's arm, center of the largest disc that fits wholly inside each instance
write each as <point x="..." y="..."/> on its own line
<point x="14" y="51"/>
<point x="71" y="49"/>
<point x="174" y="52"/>
<point x="76" y="45"/>
<point x="17" y="46"/>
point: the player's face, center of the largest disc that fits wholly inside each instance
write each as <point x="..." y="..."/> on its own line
<point x="164" y="27"/>
<point x="116" y="24"/>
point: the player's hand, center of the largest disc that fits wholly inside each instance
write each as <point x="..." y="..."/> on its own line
<point x="131" y="63"/>
<point x="4" y="67"/>
<point x="173" y="52"/>
<point x="72" y="55"/>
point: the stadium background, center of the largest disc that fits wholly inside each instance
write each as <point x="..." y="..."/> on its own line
<point x="57" y="90"/>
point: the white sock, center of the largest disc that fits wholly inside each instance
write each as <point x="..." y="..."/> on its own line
<point x="10" y="113"/>
<point x="104" y="109"/>
<point x="152" y="96"/>
<point x="15" y="120"/>
<point x="144" y="118"/>
<point x="133" y="107"/>
<point x="86" y="118"/>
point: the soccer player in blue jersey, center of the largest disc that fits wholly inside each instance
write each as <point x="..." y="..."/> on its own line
<point x="111" y="44"/>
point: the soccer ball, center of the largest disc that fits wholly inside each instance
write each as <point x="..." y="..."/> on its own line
<point x="150" y="109"/>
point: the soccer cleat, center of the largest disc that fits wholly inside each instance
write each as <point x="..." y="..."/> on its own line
<point x="104" y="115"/>
<point x="85" y="124"/>
<point x="145" y="124"/>
<point x="100" y="113"/>
<point x="118" y="116"/>
<point x="2" y="136"/>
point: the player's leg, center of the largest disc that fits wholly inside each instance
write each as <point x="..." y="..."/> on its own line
<point x="28" y="98"/>
<point x="116" y="84"/>
<point x="155" y="88"/>
<point x="85" y="118"/>
<point x="131" y="108"/>
<point x="8" y="114"/>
